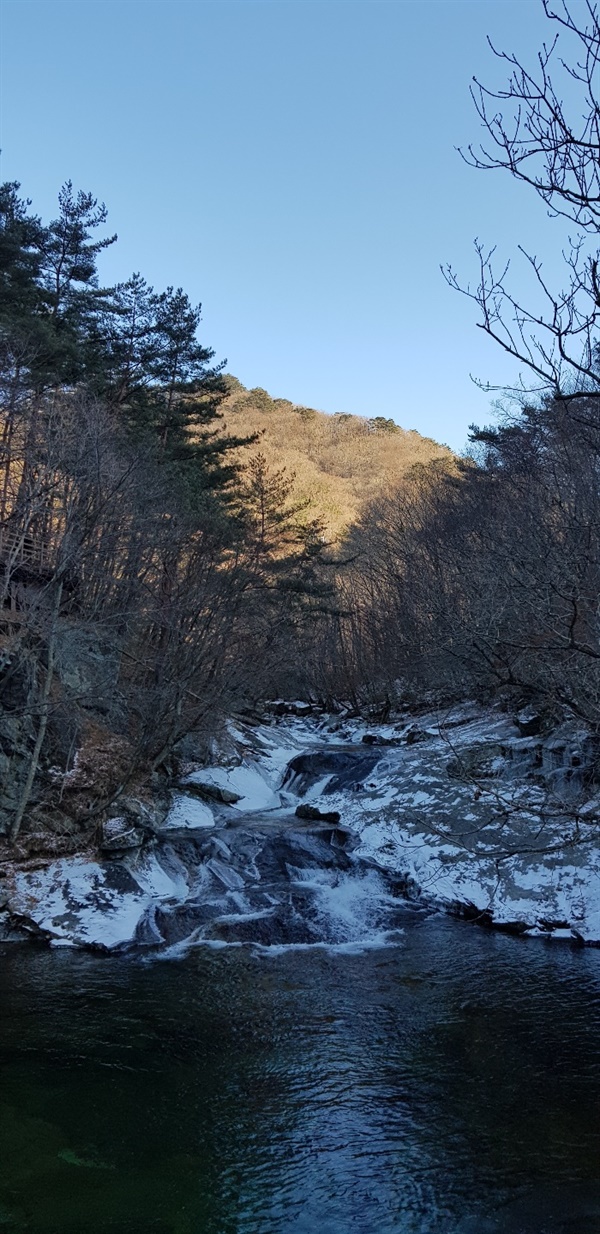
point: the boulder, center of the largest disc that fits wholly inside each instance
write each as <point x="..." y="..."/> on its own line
<point x="414" y="734"/>
<point x="529" y="722"/>
<point x="211" y="792"/>
<point x="300" y="708"/>
<point x="285" y="707"/>
<point x="313" y="814"/>
<point x="119" y="834"/>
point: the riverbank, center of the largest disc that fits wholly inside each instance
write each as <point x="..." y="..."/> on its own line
<point x="461" y="811"/>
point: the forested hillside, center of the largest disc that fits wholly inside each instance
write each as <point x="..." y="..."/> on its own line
<point x="151" y="578"/>
<point x="168" y="540"/>
<point x="174" y="547"/>
<point x="484" y="577"/>
<point x="336" y="463"/>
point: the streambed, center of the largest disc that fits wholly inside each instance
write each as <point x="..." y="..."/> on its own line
<point x="287" y="1036"/>
<point x="457" y="811"/>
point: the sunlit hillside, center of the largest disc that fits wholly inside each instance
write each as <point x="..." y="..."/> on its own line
<point x="338" y="461"/>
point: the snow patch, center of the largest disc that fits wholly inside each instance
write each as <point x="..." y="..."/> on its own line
<point x="188" y="812"/>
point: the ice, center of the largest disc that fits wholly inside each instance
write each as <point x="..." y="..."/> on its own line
<point x="226" y="875"/>
<point x="248" y="781"/>
<point x="476" y="845"/>
<point x="188" y="812"/>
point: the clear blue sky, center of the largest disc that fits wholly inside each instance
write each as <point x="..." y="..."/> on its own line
<point x="291" y="164"/>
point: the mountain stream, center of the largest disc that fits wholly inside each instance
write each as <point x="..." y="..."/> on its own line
<point x="294" y="1047"/>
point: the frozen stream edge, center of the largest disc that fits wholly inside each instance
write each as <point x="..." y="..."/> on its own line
<point x="470" y="845"/>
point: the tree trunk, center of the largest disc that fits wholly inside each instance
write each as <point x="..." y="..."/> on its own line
<point x="44" y="713"/>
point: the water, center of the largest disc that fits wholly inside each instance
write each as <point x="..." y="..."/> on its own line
<point x="446" y="1084"/>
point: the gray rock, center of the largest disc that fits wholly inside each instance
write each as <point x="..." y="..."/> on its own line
<point x="211" y="792"/>
<point x="119" y="834"/>
<point x="299" y="708"/>
<point x="225" y="874"/>
<point x="529" y="722"/>
<point x="313" y="814"/>
<point x="414" y="734"/>
<point x="347" y="769"/>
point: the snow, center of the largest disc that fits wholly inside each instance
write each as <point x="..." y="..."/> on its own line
<point x="86" y="903"/>
<point x="188" y="812"/>
<point x="458" y="849"/>
<point x="257" y="779"/>
<point x="480" y="844"/>
<point x="247" y="781"/>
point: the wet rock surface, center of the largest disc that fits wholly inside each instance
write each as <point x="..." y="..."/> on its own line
<point x="312" y="813"/>
<point x="275" y="886"/>
<point x="341" y="769"/>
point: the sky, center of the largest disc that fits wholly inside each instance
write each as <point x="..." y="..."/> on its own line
<point x="293" y="165"/>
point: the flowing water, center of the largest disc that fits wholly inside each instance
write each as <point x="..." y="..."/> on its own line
<point x="447" y="1082"/>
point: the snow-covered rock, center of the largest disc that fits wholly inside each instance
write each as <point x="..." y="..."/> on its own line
<point x="457" y="811"/>
<point x="188" y="812"/>
<point x="89" y="903"/>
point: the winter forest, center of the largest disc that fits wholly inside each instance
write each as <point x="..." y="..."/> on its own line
<point x="300" y="709"/>
<point x="160" y="571"/>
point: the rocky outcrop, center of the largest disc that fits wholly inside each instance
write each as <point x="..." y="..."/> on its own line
<point x="267" y="886"/>
<point x="338" y="770"/>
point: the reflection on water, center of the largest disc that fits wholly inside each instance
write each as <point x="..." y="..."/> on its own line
<point x="449" y="1084"/>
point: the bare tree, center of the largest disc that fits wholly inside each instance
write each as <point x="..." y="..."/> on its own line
<point x="553" y="147"/>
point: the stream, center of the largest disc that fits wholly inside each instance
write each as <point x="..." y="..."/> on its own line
<point x="447" y="1083"/>
<point x="285" y="1040"/>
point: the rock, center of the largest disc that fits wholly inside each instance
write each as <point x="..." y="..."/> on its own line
<point x="131" y="805"/>
<point x="119" y="834"/>
<point x="371" y="739"/>
<point x="347" y="769"/>
<point x="277" y="706"/>
<point x="415" y="734"/>
<point x="229" y="878"/>
<point x="315" y="815"/>
<point x="254" y="719"/>
<point x="529" y="722"/>
<point x="149" y="817"/>
<point x="299" y="708"/>
<point x="211" y="792"/>
<point x="283" y="707"/>
<point x="569" y="747"/>
<point x="344" y="837"/>
<point x="220" y="849"/>
<point x="523" y="756"/>
<point x="475" y="761"/>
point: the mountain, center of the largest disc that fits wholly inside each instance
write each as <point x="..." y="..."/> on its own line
<point x="338" y="462"/>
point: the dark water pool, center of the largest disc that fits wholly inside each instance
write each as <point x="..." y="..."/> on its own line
<point x="444" y="1085"/>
